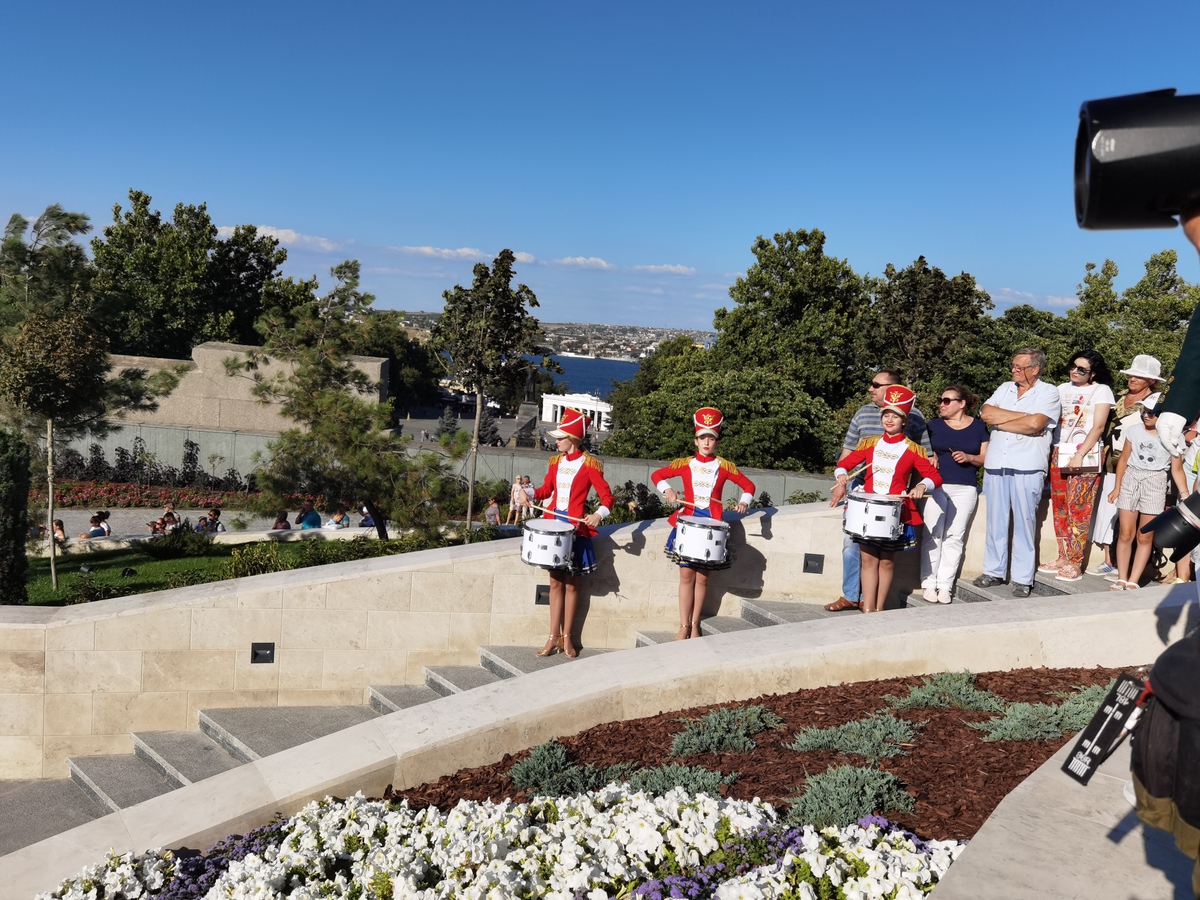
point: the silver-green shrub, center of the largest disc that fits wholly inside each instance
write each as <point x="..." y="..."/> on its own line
<point x="948" y="689"/>
<point x="845" y="794"/>
<point x="874" y="737"/>
<point x="724" y="730"/>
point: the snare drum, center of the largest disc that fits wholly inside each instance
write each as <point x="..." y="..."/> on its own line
<point x="547" y="543"/>
<point x="874" y="516"/>
<point x="702" y="542"/>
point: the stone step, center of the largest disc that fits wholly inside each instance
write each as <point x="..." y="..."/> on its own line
<point x="511" y="661"/>
<point x="1088" y="584"/>
<point x="781" y="612"/>
<point x="118" y="782"/>
<point x="447" y="680"/>
<point x="390" y="698"/>
<point x="650" y="638"/>
<point x="725" y="625"/>
<point x="252" y="733"/>
<point x="967" y="591"/>
<point x="31" y="811"/>
<point x="183" y="757"/>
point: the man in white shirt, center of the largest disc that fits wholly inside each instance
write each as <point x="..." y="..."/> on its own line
<point x="1021" y="414"/>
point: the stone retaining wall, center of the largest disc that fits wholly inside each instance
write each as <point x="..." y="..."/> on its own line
<point x="78" y="680"/>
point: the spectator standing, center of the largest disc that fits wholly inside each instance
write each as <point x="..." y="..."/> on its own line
<point x="514" y="501"/>
<point x="281" y="521"/>
<point x="308" y="517"/>
<point x="491" y="515"/>
<point x="866" y="423"/>
<point x="1087" y="399"/>
<point x="1191" y="467"/>
<point x="529" y="494"/>
<point x="1142" y="376"/>
<point x="1141" y="492"/>
<point x="960" y="443"/>
<point x="1022" y="414"/>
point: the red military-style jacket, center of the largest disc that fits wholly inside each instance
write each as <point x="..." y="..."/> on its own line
<point x="704" y="480"/>
<point x="569" y="480"/>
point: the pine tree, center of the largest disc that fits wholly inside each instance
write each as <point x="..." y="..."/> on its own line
<point x="448" y="423"/>
<point x="489" y="431"/>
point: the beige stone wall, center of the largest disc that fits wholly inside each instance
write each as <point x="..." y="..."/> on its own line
<point x="79" y="680"/>
<point x="208" y="397"/>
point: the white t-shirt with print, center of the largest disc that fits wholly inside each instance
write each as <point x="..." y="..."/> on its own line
<point x="1146" y="451"/>
<point x="1079" y="409"/>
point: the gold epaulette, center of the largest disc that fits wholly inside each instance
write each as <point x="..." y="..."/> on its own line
<point x="555" y="458"/>
<point x="913" y="445"/>
<point x="868" y="442"/>
<point x="681" y="463"/>
<point x="589" y="460"/>
<point x="727" y="465"/>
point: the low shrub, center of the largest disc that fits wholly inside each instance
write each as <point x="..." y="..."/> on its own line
<point x="183" y="541"/>
<point x="259" y="558"/>
<point x="841" y="796"/>
<point x="797" y="497"/>
<point x="189" y="577"/>
<point x="548" y="771"/>
<point x="85" y="588"/>
<point x="948" y="689"/>
<point x="1045" y="721"/>
<point x="875" y="737"/>
<point x="722" y="730"/>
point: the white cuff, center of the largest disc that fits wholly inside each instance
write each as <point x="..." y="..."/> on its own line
<point x="929" y="485"/>
<point x="747" y="499"/>
<point x="603" y="512"/>
<point x="839" y="471"/>
<point x="663" y="486"/>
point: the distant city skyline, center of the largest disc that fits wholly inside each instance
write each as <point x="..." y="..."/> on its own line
<point x="628" y="154"/>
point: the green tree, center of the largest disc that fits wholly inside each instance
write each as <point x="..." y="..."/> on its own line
<point x="921" y="321"/>
<point x="171" y="284"/>
<point x="14" y="515"/>
<point x="484" y="334"/>
<point x="489" y="431"/>
<point x="43" y="267"/>
<point x="344" y="448"/>
<point x="448" y="423"/>
<point x="799" y="313"/>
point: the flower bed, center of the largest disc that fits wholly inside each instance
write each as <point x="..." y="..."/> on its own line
<point x="119" y="495"/>
<point x="606" y="843"/>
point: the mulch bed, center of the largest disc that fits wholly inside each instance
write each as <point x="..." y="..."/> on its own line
<point x="955" y="777"/>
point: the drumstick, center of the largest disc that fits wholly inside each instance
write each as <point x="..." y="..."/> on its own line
<point x="556" y="514"/>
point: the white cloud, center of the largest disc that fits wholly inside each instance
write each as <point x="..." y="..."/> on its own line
<point x="1005" y="298"/>
<point x="442" y="252"/>
<point x="584" y="262"/>
<point x="287" y="237"/>
<point x="523" y="257"/>
<point x="634" y="289"/>
<point x="666" y="270"/>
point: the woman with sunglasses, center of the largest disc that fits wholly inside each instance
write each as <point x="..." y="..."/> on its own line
<point x="960" y="442"/>
<point x="1077" y="461"/>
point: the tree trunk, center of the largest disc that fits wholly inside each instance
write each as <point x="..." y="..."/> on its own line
<point x="50" y="500"/>
<point x="380" y="521"/>
<point x="474" y="460"/>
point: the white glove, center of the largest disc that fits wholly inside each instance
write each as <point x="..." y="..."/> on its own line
<point x="1170" y="431"/>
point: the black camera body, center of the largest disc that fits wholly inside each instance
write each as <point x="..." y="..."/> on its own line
<point x="1137" y="160"/>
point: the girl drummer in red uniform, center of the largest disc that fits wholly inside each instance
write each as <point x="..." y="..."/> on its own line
<point x="890" y="461"/>
<point x="572" y="476"/>
<point x="704" y="476"/>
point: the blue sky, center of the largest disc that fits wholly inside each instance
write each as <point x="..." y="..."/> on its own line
<point x="629" y="153"/>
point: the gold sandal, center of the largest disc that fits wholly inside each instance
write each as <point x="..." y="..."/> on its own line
<point x="565" y="645"/>
<point x="684" y="631"/>
<point x="553" y="645"/>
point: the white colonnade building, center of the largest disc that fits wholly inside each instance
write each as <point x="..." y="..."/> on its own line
<point x="591" y="406"/>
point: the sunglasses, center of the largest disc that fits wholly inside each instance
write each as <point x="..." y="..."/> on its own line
<point x="944" y="400"/>
<point x="1081" y="370"/>
<point x="876" y="385"/>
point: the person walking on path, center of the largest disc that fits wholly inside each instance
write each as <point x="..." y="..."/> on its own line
<point x="1021" y="414"/>
<point x="866" y="424"/>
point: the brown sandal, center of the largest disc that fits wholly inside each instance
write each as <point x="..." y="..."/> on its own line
<point x="840" y="604"/>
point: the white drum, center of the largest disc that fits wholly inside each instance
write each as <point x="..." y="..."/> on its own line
<point x="873" y="516"/>
<point x="701" y="541"/>
<point x="547" y="543"/>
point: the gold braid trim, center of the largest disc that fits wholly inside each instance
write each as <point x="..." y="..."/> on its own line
<point x="727" y="465"/>
<point x="555" y="458"/>
<point x="868" y="442"/>
<point x="681" y="463"/>
<point x="589" y="460"/>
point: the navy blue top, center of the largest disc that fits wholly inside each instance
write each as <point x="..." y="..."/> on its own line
<point x="944" y="439"/>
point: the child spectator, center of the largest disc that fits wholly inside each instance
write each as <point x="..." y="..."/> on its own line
<point x="1141" y="492"/>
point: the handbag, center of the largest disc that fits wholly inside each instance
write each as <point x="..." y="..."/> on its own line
<point x="1065" y="450"/>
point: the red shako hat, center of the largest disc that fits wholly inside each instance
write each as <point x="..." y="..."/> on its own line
<point x="708" y="421"/>
<point x="574" y="424"/>
<point x="898" y="398"/>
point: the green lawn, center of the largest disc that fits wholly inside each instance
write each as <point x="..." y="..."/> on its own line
<point x="106" y="567"/>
